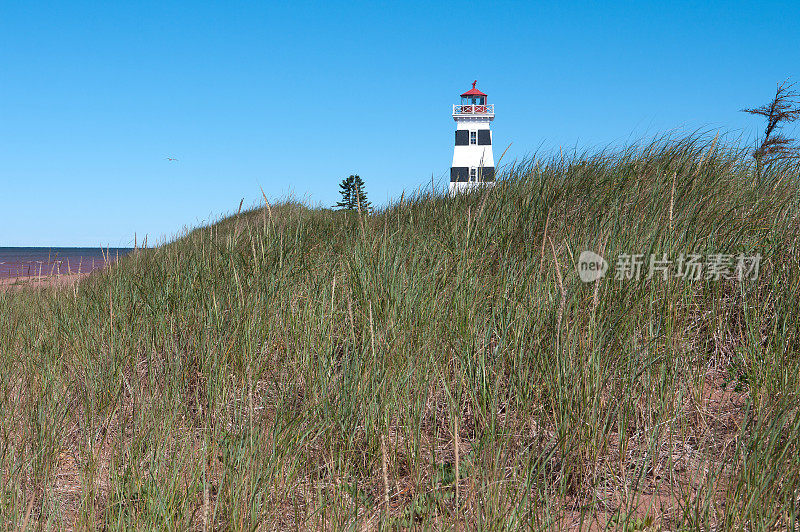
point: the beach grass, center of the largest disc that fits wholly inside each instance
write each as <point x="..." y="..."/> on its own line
<point x="437" y="363"/>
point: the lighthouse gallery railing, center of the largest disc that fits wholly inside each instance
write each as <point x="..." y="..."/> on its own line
<point x="487" y="109"/>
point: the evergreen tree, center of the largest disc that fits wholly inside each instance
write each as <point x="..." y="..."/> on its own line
<point x="359" y="195"/>
<point x="346" y="190"/>
<point x="353" y="194"/>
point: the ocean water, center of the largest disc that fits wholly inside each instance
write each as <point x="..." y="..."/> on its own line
<point x="24" y="262"/>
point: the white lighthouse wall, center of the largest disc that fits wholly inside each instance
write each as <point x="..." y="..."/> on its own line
<point x="472" y="155"/>
<point x="474" y="123"/>
<point x="477" y="156"/>
<point x="461" y="186"/>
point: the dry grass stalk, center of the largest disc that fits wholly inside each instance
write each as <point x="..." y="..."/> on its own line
<point x="28" y="512"/>
<point x="385" y="470"/>
<point x="456" y="452"/>
<point x="544" y="240"/>
<point x="672" y="201"/>
<point x="563" y="303"/>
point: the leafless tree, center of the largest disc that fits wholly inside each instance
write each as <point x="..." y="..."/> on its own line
<point x="783" y="109"/>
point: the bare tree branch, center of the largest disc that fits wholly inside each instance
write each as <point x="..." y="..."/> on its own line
<point x="783" y="109"/>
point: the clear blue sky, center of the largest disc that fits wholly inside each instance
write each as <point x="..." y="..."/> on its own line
<point x="294" y="96"/>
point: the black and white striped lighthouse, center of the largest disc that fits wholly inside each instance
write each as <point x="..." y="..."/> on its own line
<point x="473" y="162"/>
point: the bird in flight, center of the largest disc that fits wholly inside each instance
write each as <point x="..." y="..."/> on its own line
<point x="171" y="159"/>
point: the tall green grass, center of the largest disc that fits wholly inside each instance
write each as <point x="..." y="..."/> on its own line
<point x="290" y="367"/>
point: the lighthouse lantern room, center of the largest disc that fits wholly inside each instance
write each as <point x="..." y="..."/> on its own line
<point x="473" y="162"/>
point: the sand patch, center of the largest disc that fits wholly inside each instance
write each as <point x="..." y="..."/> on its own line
<point x="41" y="282"/>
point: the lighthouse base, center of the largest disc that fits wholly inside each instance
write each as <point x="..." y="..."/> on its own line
<point x="466" y="179"/>
<point x="464" y="187"/>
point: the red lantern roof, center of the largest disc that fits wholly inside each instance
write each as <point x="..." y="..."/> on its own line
<point x="473" y="91"/>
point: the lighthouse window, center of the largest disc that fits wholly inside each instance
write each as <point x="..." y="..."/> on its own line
<point x="473" y="100"/>
<point x="473" y="174"/>
<point x="473" y="137"/>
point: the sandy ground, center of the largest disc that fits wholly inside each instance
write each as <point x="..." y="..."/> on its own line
<point x="41" y="282"/>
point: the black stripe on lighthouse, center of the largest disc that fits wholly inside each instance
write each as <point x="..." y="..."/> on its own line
<point x="460" y="174"/>
<point x="462" y="137"/>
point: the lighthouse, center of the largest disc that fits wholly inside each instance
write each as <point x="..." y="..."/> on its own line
<point x="473" y="162"/>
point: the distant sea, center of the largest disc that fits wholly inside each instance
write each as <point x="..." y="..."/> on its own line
<point x="24" y="262"/>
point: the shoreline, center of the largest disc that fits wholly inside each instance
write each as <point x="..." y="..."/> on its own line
<point x="45" y="281"/>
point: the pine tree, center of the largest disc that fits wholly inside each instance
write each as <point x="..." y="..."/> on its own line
<point x="346" y="190"/>
<point x="359" y="195"/>
<point x="353" y="194"/>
